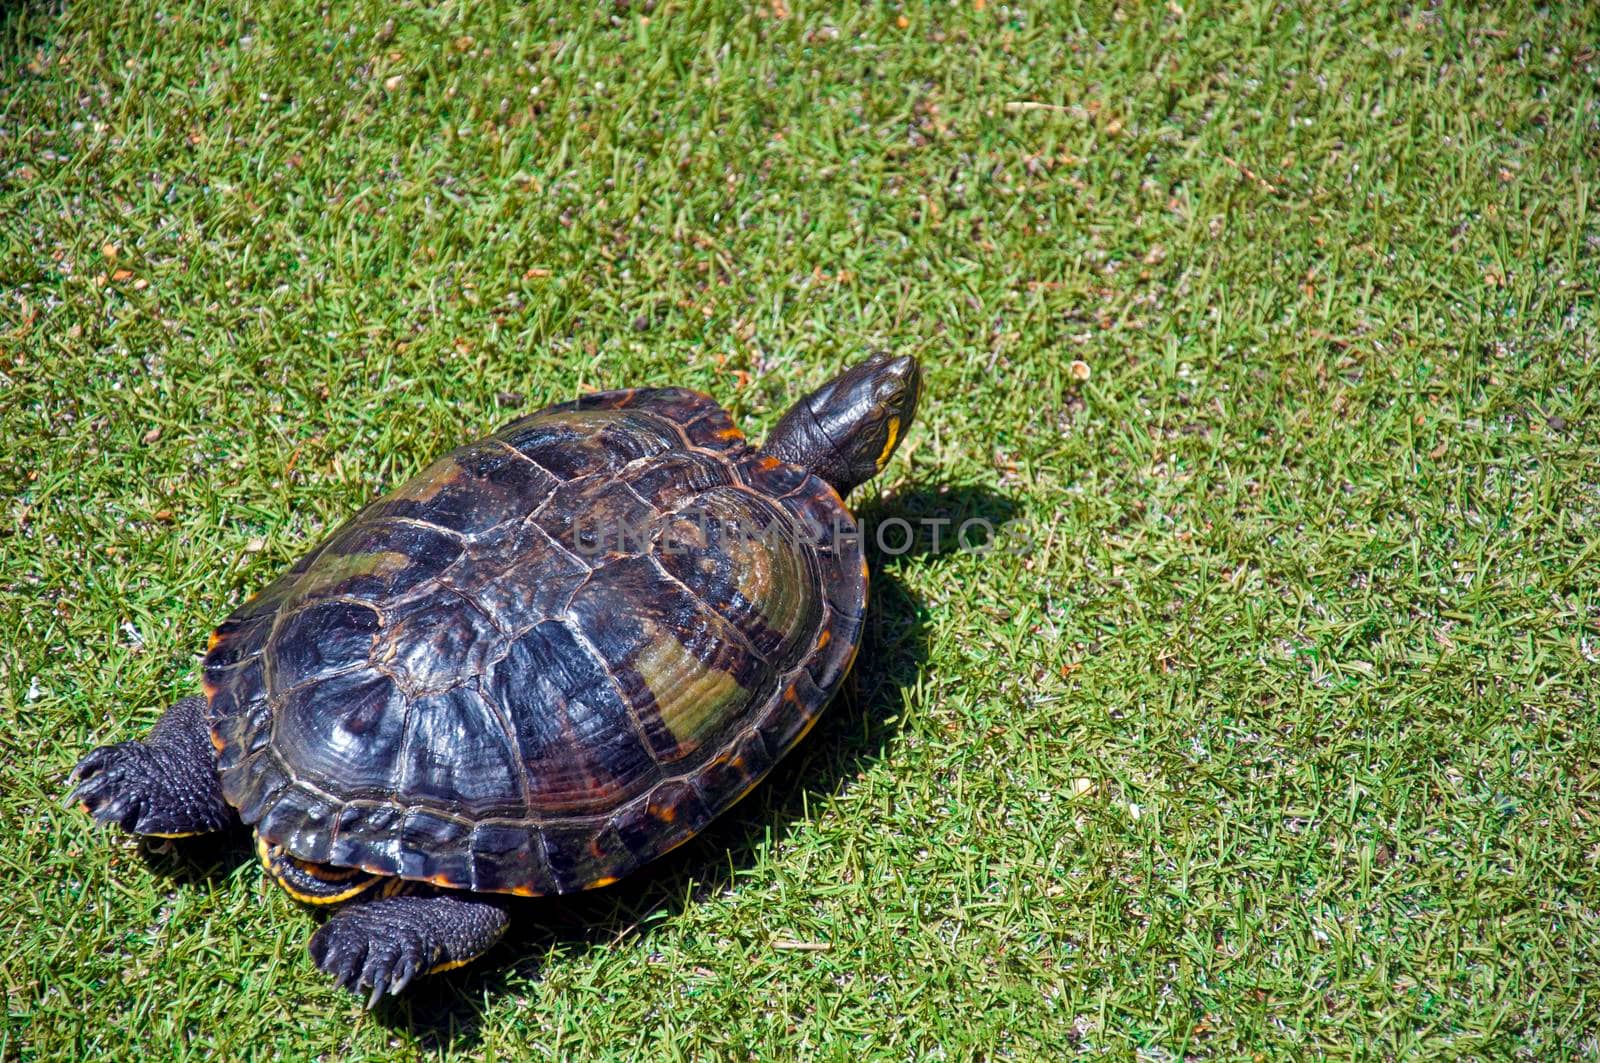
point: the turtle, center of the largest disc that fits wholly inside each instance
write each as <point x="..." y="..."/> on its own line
<point x="547" y="659"/>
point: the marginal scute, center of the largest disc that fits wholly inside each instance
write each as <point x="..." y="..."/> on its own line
<point x="833" y="655"/>
<point x="254" y="785"/>
<point x="302" y="821"/>
<point x="236" y="640"/>
<point x="673" y="813"/>
<point x="579" y="854"/>
<point x="508" y="857"/>
<point x="729" y="776"/>
<point x="435" y="847"/>
<point x="368" y="836"/>
<point x="703" y="422"/>
<point x="458" y="687"/>
<point x="235" y="699"/>
<point x="790" y="716"/>
<point x="774" y="478"/>
<point x="836" y="539"/>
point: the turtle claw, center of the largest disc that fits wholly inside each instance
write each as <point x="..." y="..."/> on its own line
<point x="148" y="790"/>
<point x="379" y="947"/>
<point x="114" y="786"/>
<point x="361" y="956"/>
<point x="92" y="761"/>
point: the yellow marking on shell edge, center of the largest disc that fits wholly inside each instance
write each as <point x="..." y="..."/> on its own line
<point x="801" y="737"/>
<point x="523" y="891"/>
<point x="337" y="898"/>
<point x="305" y="898"/>
<point x="888" y="446"/>
<point x="683" y="840"/>
<point x="211" y="643"/>
<point x="824" y="638"/>
<point x="745" y="792"/>
<point x="327" y="872"/>
<point x="602" y="881"/>
<point x="730" y="433"/>
<point x="180" y="834"/>
<point x="217" y="742"/>
<point x="768" y="463"/>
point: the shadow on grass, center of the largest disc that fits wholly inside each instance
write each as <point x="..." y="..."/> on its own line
<point x="446" y="1011"/>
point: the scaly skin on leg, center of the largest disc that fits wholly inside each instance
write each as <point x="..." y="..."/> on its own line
<point x="384" y="944"/>
<point x="165" y="786"/>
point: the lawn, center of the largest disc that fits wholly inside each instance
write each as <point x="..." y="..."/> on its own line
<point x="1278" y="738"/>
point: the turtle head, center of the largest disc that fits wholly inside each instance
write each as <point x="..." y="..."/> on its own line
<point x="846" y="430"/>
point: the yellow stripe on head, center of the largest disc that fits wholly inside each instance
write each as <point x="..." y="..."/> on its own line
<point x="888" y="446"/>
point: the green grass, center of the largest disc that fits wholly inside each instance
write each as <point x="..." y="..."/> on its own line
<point x="1281" y="739"/>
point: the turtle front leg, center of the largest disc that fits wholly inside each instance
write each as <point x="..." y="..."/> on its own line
<point x="384" y="944"/>
<point x="165" y="786"/>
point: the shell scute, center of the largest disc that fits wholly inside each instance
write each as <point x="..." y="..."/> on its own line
<point x="469" y="490"/>
<point x="572" y="444"/>
<point x="435" y="847"/>
<point x="347" y="733"/>
<point x="736" y="553"/>
<point x="324" y="638"/>
<point x="454" y="757"/>
<point x="509" y="857"/>
<point x="577" y="740"/>
<point x="682" y="671"/>
<point x="378" y="560"/>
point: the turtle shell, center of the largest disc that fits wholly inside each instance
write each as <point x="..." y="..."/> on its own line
<point x="548" y="658"/>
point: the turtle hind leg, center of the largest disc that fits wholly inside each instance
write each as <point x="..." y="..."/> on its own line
<point x="381" y="945"/>
<point x="165" y="786"/>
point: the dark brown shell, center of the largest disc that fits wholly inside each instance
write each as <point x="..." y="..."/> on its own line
<point x="548" y="658"/>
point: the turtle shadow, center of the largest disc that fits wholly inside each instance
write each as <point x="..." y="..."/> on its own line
<point x="203" y="860"/>
<point x="852" y="734"/>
